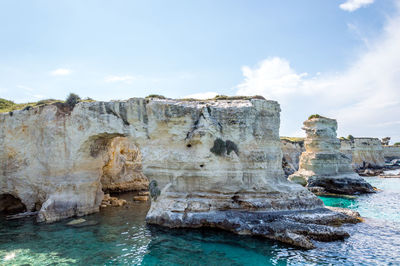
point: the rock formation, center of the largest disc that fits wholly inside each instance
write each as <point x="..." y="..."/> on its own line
<point x="217" y="163"/>
<point x="364" y="152"/>
<point x="322" y="165"/>
<point x="123" y="169"/>
<point x="292" y="148"/>
<point x="391" y="152"/>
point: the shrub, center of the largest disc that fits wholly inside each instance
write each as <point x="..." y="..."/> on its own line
<point x="397" y="144"/>
<point x="350" y="137"/>
<point x="155" y="96"/>
<point x="72" y="99"/>
<point x="315" y="116"/>
<point x="6" y="103"/>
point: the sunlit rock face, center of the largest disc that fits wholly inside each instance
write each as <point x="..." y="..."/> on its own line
<point x="122" y="170"/>
<point x="217" y="163"/>
<point x="322" y="165"/>
<point x="364" y="152"/>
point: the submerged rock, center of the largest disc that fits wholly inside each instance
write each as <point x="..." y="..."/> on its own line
<point x="323" y="165"/>
<point x="76" y="221"/>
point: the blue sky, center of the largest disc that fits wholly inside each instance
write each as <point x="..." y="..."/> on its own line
<point x="121" y="49"/>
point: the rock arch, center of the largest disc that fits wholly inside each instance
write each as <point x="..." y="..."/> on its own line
<point x="120" y="163"/>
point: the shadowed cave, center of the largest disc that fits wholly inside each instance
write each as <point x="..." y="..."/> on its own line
<point x="10" y="204"/>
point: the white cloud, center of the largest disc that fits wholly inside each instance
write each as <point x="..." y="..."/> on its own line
<point x="125" y="79"/>
<point x="205" y="95"/>
<point x="25" y="88"/>
<point x="352" y="5"/>
<point x="60" y="72"/>
<point x="365" y="95"/>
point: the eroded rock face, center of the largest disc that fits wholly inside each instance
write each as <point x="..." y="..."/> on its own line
<point x="391" y="152"/>
<point x="217" y="163"/>
<point x="323" y="165"/>
<point x="122" y="170"/>
<point x="364" y="152"/>
<point x="291" y="151"/>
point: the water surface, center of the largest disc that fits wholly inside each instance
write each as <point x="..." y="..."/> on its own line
<point x="123" y="238"/>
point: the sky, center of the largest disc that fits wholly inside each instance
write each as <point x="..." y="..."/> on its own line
<point x="337" y="58"/>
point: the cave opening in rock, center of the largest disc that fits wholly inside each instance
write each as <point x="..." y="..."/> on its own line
<point x="11" y="205"/>
<point x="120" y="169"/>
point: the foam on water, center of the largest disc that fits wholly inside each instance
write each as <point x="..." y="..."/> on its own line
<point x="123" y="238"/>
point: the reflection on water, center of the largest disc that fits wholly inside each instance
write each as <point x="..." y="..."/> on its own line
<point x="123" y="238"/>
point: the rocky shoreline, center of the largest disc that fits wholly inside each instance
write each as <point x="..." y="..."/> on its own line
<point x="215" y="163"/>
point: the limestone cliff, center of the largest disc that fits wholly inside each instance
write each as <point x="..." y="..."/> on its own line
<point x="291" y="150"/>
<point x="364" y="152"/>
<point x="218" y="164"/>
<point x="322" y="165"/>
<point x="391" y="152"/>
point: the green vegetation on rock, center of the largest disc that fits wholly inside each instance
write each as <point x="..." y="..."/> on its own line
<point x="155" y="96"/>
<point x="316" y="116"/>
<point x="72" y="99"/>
<point x="397" y="144"/>
<point x="292" y="139"/>
<point x="9" y="106"/>
<point x="224" y="97"/>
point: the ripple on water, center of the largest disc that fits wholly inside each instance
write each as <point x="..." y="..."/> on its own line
<point x="123" y="238"/>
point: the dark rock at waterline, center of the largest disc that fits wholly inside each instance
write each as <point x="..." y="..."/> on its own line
<point x="370" y="172"/>
<point x="347" y="186"/>
<point x="298" y="228"/>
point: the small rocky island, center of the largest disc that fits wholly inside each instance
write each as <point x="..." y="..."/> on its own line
<point x="322" y="167"/>
<point x="213" y="163"/>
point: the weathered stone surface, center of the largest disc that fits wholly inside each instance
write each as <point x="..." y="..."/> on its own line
<point x="297" y="227"/>
<point x="323" y="165"/>
<point x="214" y="161"/>
<point x="391" y="152"/>
<point x="364" y="152"/>
<point x="291" y="151"/>
<point x="123" y="169"/>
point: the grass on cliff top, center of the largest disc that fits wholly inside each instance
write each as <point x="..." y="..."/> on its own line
<point x="216" y="98"/>
<point x="293" y="139"/>
<point x="316" y="116"/>
<point x="224" y="97"/>
<point x="9" y="106"/>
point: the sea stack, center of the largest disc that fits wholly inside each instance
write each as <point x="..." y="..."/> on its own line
<point x="322" y="166"/>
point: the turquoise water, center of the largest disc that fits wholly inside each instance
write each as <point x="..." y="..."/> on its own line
<point x="121" y="237"/>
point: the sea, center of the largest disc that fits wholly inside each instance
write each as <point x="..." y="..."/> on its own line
<point x="121" y="237"/>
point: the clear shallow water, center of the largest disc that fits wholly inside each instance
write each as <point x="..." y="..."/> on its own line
<point x="122" y="238"/>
